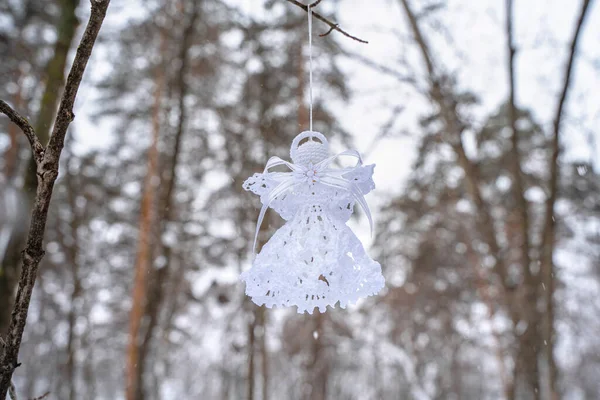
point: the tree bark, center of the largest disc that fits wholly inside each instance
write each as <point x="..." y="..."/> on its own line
<point x="47" y="162"/>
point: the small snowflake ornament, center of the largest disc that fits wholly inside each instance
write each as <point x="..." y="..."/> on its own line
<point x="314" y="260"/>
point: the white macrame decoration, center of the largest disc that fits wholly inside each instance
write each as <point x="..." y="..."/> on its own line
<point x="314" y="260"/>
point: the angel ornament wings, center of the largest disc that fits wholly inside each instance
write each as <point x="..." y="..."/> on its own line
<point x="314" y="260"/>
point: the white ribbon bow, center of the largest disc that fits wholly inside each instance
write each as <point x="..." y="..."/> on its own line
<point x="313" y="173"/>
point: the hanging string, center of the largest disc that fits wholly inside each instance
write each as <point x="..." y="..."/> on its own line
<point x="310" y="81"/>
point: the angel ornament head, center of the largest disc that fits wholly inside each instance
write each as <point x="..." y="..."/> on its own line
<point x="314" y="260"/>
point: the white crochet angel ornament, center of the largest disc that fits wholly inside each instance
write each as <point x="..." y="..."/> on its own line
<point x="314" y="260"/>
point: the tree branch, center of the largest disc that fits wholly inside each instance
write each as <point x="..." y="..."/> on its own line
<point x="47" y="172"/>
<point x="401" y="77"/>
<point x="21" y="122"/>
<point x="42" y="396"/>
<point x="333" y="26"/>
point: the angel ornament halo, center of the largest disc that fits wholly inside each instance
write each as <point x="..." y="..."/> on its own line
<point x="314" y="260"/>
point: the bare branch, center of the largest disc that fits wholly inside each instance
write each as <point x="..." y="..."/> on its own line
<point x="316" y="3"/>
<point x="404" y="78"/>
<point x="21" y="122"/>
<point x="332" y="25"/>
<point x="42" y="396"/>
<point x="329" y="31"/>
<point x="385" y="130"/>
<point x="47" y="173"/>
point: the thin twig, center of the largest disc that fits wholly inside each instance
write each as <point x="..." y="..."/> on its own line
<point x="316" y="3"/>
<point x="42" y="396"/>
<point x="332" y="25"/>
<point x="47" y="172"/>
<point x="404" y="78"/>
<point x="329" y="31"/>
<point x="21" y="122"/>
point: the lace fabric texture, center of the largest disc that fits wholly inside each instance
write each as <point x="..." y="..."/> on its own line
<point x="314" y="260"/>
<point x="338" y="203"/>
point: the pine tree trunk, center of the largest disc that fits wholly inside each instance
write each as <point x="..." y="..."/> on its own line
<point x="143" y="263"/>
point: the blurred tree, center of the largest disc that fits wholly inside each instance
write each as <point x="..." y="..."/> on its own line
<point x="144" y="256"/>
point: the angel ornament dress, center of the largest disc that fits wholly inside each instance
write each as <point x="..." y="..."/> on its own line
<point x="314" y="260"/>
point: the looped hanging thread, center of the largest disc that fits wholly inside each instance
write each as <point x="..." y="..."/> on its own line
<point x="310" y="81"/>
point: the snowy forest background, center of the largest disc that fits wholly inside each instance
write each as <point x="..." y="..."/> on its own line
<point x="149" y="228"/>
